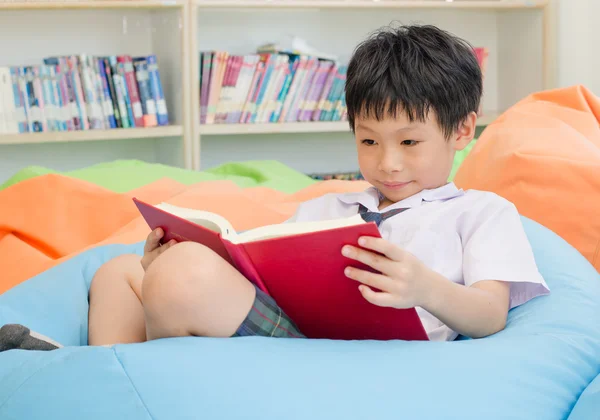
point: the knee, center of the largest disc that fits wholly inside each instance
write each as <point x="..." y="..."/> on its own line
<point x="121" y="268"/>
<point x="173" y="280"/>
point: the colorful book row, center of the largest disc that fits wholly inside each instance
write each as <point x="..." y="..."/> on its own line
<point x="270" y="87"/>
<point x="81" y="92"/>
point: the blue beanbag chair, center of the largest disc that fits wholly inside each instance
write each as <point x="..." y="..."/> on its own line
<point x="537" y="368"/>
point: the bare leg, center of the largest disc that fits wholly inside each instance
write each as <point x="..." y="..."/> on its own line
<point x="116" y="314"/>
<point x="191" y="291"/>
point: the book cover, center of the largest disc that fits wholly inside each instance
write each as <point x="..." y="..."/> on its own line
<point x="302" y="271"/>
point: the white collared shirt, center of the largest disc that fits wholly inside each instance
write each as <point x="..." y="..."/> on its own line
<point x="466" y="236"/>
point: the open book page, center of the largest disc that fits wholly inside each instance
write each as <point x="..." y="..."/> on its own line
<point x="288" y="229"/>
<point x="221" y="225"/>
<point x="209" y="220"/>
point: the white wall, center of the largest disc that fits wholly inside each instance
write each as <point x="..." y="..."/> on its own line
<point x="578" y="40"/>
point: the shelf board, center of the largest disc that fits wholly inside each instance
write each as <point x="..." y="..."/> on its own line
<point x="298" y="127"/>
<point x="275" y="128"/>
<point x="90" y="4"/>
<point x="92" y="135"/>
<point x="376" y="4"/>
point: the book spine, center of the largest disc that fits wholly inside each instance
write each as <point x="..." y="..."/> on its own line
<point x="207" y="66"/>
<point x="236" y="82"/>
<point x="225" y="87"/>
<point x="49" y="112"/>
<point x="88" y="93"/>
<point x="35" y="122"/>
<point x="61" y="119"/>
<point x="107" y="103"/>
<point x="122" y="86"/>
<point x="241" y="260"/>
<point x="106" y="114"/>
<point x="5" y="115"/>
<point x="132" y="90"/>
<point x="70" y="109"/>
<point x="316" y="115"/>
<point x="297" y="80"/>
<point x="270" y="63"/>
<point x="275" y="86"/>
<point x="248" y="71"/>
<point x="11" y="124"/>
<point x="20" y="115"/>
<point x="247" y="110"/>
<point x="146" y="99"/>
<point x="308" y="103"/>
<point x="298" y="100"/>
<point x="121" y="92"/>
<point x="290" y="72"/>
<point x="156" y="89"/>
<point x="78" y="92"/>
<point x="113" y="93"/>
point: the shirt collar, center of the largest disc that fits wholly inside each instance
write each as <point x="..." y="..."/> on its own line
<point x="370" y="198"/>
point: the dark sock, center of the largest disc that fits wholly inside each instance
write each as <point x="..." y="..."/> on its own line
<point x="16" y="336"/>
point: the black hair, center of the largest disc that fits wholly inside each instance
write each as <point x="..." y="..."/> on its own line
<point x="414" y="69"/>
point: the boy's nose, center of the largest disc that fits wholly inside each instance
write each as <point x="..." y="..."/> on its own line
<point x="391" y="162"/>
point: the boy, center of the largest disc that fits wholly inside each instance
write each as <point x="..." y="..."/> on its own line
<point x="461" y="258"/>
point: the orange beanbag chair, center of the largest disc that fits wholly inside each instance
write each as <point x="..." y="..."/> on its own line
<point x="543" y="154"/>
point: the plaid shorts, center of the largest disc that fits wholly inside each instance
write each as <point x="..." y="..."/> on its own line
<point x="266" y="319"/>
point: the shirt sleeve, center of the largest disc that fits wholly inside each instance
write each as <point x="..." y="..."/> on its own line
<point x="496" y="247"/>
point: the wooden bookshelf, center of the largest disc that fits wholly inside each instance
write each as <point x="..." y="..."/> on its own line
<point x="372" y="4"/>
<point x="168" y="39"/>
<point x="181" y="28"/>
<point x="92" y="135"/>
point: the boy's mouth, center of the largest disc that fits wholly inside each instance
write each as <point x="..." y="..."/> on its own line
<point x="395" y="185"/>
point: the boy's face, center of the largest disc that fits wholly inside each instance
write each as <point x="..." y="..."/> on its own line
<point x="401" y="158"/>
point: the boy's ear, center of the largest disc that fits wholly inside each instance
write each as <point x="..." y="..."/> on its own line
<point x="466" y="132"/>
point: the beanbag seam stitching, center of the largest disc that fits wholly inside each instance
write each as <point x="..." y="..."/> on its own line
<point x="52" y="360"/>
<point x="132" y="384"/>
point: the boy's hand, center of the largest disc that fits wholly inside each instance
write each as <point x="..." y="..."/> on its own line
<point x="404" y="279"/>
<point x="153" y="248"/>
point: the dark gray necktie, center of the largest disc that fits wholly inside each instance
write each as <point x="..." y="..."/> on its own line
<point x="371" y="216"/>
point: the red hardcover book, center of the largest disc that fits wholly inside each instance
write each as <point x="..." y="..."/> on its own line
<point x="301" y="266"/>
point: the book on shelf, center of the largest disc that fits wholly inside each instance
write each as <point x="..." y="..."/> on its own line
<point x="300" y="265"/>
<point x="270" y="86"/>
<point x="82" y="92"/>
<point x="276" y="86"/>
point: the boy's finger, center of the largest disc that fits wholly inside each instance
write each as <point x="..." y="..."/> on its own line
<point x="153" y="240"/>
<point x="393" y="252"/>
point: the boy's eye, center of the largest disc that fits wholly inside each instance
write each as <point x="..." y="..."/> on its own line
<point x="368" y="142"/>
<point x="410" y="142"/>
